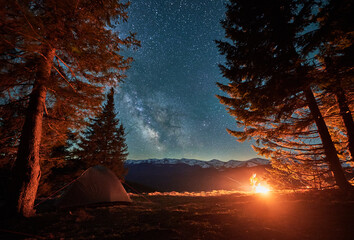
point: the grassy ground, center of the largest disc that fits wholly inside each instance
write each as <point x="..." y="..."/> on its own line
<point x="237" y="216"/>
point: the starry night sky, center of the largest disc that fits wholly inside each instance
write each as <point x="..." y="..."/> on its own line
<point x="167" y="103"/>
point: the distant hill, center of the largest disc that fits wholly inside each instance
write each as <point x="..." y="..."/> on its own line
<point x="194" y="175"/>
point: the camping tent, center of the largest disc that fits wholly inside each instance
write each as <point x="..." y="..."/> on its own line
<point x="97" y="184"/>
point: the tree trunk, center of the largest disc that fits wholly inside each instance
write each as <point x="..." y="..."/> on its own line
<point x="328" y="145"/>
<point x="26" y="169"/>
<point x="347" y="118"/>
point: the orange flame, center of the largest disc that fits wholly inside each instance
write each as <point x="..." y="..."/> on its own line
<point x="256" y="185"/>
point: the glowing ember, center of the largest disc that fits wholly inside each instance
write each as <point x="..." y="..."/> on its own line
<point x="261" y="189"/>
<point x="256" y="185"/>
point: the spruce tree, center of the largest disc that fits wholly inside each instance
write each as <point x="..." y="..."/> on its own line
<point x="333" y="40"/>
<point x="103" y="142"/>
<point x="60" y="55"/>
<point x="271" y="89"/>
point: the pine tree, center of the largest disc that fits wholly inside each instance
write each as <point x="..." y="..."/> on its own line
<point x="271" y="89"/>
<point x="53" y="138"/>
<point x="59" y="54"/>
<point x="333" y="41"/>
<point x="293" y="174"/>
<point x="103" y="142"/>
<point x="10" y="128"/>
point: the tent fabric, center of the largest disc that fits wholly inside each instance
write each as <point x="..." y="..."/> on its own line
<point x="97" y="184"/>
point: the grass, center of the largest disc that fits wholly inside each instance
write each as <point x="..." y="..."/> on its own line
<point x="238" y="216"/>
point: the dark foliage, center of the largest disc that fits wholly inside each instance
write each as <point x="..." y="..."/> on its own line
<point x="57" y="56"/>
<point x="275" y="89"/>
<point x="103" y="142"/>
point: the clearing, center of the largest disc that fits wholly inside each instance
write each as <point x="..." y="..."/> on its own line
<point x="314" y="215"/>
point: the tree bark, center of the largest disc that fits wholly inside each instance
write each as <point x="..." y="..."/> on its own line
<point x="26" y="169"/>
<point x="328" y="145"/>
<point x="347" y="118"/>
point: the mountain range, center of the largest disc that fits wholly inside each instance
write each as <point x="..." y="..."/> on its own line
<point x="194" y="175"/>
<point x="203" y="164"/>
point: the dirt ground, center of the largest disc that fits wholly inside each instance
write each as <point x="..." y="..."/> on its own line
<point x="238" y="216"/>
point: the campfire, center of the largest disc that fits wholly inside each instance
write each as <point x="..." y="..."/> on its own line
<point x="257" y="185"/>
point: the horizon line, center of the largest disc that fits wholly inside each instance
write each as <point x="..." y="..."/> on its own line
<point x="196" y="159"/>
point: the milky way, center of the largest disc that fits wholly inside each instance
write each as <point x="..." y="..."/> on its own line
<point x="167" y="103"/>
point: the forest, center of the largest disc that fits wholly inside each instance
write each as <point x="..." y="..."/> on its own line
<point x="289" y="88"/>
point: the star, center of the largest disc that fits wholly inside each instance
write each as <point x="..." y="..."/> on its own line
<point x="167" y="102"/>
